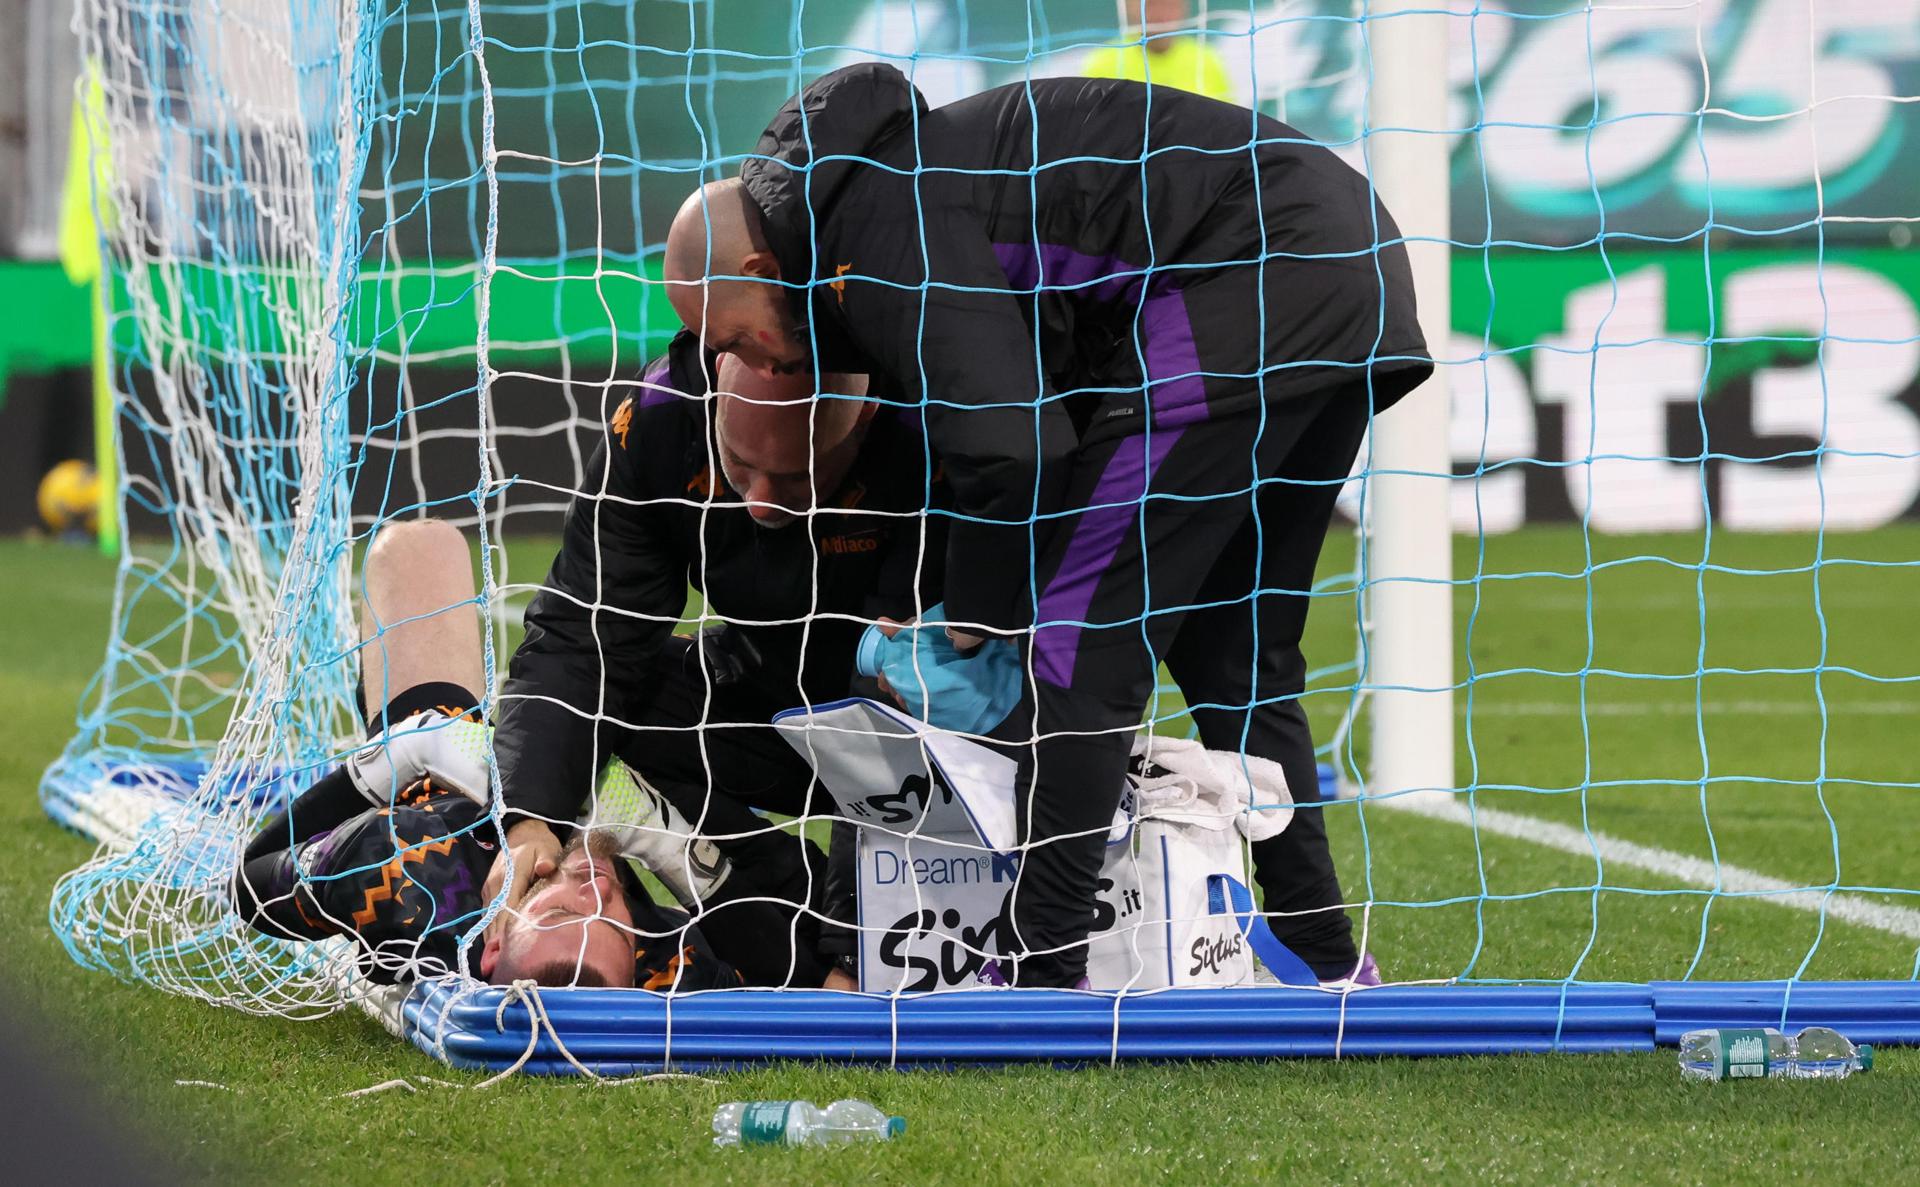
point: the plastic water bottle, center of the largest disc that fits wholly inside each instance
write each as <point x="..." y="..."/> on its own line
<point x="799" y="1123"/>
<point x="1730" y="1054"/>
<point x="1816" y="1053"/>
<point x="1821" y="1053"/>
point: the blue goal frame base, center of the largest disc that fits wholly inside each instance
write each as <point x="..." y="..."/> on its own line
<point x="617" y="1032"/>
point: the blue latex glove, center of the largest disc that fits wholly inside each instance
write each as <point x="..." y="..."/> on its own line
<point x="968" y="693"/>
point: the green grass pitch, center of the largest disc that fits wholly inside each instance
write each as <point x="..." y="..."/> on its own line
<point x="1735" y="761"/>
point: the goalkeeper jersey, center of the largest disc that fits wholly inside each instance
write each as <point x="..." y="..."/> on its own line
<point x="404" y="881"/>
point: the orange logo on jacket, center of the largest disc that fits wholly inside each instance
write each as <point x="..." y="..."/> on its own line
<point x="839" y="285"/>
<point x="623" y="420"/>
<point x="841" y="545"/>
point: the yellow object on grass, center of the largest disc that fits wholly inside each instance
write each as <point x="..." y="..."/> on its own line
<point x="69" y="497"/>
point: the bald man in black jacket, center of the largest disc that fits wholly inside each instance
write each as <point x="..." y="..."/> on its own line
<point x="1148" y="330"/>
<point x="796" y="518"/>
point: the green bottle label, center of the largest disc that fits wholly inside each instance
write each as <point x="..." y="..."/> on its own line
<point x="765" y="1123"/>
<point x="1743" y="1054"/>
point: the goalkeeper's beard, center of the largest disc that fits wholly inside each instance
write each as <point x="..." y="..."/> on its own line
<point x="599" y="844"/>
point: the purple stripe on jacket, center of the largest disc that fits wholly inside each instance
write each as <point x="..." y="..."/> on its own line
<point x="1178" y="398"/>
<point x="654" y="388"/>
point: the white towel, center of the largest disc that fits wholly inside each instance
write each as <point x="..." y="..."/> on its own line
<point x="1177" y="779"/>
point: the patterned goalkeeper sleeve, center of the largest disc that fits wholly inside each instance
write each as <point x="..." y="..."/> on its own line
<point x="267" y="889"/>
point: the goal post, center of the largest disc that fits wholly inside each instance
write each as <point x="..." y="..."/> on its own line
<point x="1406" y="567"/>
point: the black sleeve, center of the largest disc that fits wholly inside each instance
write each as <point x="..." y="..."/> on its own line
<point x="912" y="572"/>
<point x="839" y="895"/>
<point x="273" y="900"/>
<point x="765" y="921"/>
<point x="613" y="595"/>
<point x="961" y="345"/>
<point x="329" y="802"/>
<point x="267" y="883"/>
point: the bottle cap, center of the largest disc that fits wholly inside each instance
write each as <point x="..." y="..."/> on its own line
<point x="867" y="659"/>
<point x="898" y="1125"/>
<point x="1865" y="1052"/>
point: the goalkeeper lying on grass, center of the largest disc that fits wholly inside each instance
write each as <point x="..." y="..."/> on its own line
<point x="394" y="847"/>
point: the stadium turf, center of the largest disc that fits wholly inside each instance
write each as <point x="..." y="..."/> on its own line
<point x="1566" y="729"/>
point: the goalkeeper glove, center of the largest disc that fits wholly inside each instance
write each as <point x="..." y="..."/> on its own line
<point x="451" y="751"/>
<point x="651" y="831"/>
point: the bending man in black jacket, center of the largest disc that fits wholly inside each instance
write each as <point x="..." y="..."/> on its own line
<point x="1148" y="330"/>
<point x="799" y="520"/>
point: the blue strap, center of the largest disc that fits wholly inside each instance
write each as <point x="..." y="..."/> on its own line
<point x="1224" y="890"/>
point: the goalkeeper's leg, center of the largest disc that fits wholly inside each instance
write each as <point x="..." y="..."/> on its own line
<point x="419" y="623"/>
<point x="420" y="636"/>
<point x="1238" y="662"/>
<point x="420" y="649"/>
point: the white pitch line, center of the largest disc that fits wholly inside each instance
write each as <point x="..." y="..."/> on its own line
<point x="1680" y="867"/>
<point x="1834" y="708"/>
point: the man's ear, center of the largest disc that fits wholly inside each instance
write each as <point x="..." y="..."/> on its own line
<point x="761" y="264"/>
<point x="490" y="956"/>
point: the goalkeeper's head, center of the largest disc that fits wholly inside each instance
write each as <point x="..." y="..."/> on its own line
<point x="574" y="927"/>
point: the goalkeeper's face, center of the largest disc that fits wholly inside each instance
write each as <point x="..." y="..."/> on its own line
<point x="573" y="928"/>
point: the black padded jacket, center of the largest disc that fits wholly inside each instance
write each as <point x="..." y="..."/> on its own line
<point x="1024" y="263"/>
<point x="657" y="518"/>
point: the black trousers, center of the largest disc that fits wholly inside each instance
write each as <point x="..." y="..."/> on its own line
<point x="706" y="743"/>
<point x="1194" y="544"/>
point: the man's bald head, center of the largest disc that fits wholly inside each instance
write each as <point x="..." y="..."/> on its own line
<point x="715" y="232"/>
<point x="719" y="232"/>
<point x="783" y="449"/>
